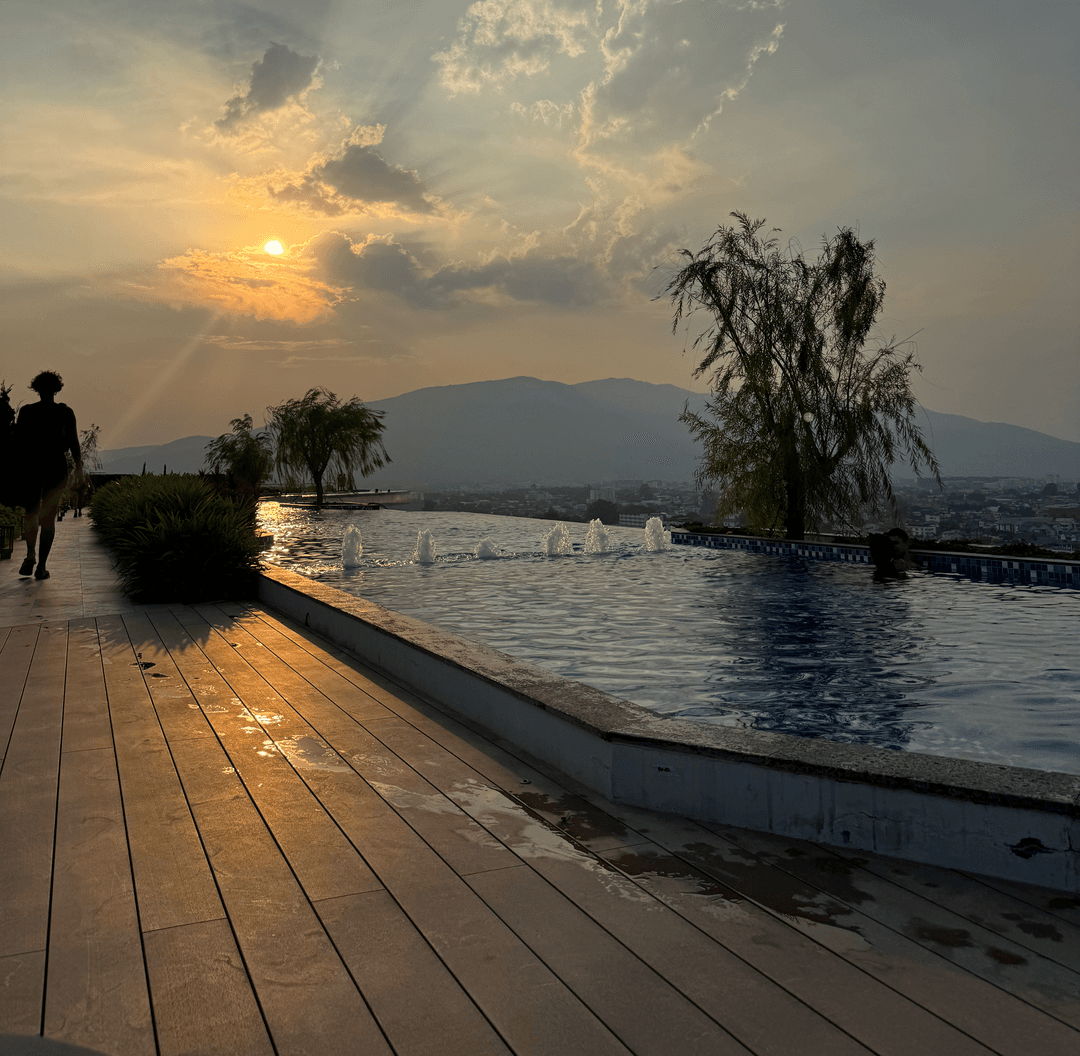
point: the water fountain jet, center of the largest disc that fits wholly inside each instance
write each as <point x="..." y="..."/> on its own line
<point x="352" y="547"/>
<point x="596" y="542"/>
<point x="655" y="536"/>
<point x="486" y="550"/>
<point x="557" y="541"/>
<point x="426" y="551"/>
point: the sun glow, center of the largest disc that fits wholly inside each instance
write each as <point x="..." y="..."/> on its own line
<point x="274" y="248"/>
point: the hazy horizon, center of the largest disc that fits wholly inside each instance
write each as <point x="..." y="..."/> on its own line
<point x="477" y="191"/>
<point x="375" y="402"/>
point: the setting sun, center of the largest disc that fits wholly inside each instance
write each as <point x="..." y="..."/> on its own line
<point x="274" y="247"/>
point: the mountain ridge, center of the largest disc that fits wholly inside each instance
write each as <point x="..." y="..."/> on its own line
<point x="523" y="429"/>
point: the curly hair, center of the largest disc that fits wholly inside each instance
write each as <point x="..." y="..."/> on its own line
<point x="47" y="381"/>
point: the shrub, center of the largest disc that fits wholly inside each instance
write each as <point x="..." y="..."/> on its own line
<point x="11" y="516"/>
<point x="173" y="539"/>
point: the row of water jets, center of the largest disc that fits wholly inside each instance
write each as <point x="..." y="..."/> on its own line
<point x="555" y="543"/>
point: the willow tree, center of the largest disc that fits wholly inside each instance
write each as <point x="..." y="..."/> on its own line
<point x="243" y="457"/>
<point x="807" y="411"/>
<point x="319" y="432"/>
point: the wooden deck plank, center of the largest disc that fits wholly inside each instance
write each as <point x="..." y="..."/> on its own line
<point x="458" y="839"/>
<point x="179" y="701"/>
<point x="173" y="881"/>
<point x="28" y="789"/>
<point x="823" y="977"/>
<point x="903" y="915"/>
<point x="1054" y="903"/>
<point x="203" y="1001"/>
<point x="468" y="937"/>
<point x="416" y="1000"/>
<point x="22" y="985"/>
<point x="326" y="864"/>
<point x="86" y="709"/>
<point x="589" y="825"/>
<point x="15" y="658"/>
<point x="530" y="1007"/>
<point x="1021" y="923"/>
<point x="761" y="1013"/>
<point x="464" y="844"/>
<point x="310" y="1003"/>
<point x="96" y="992"/>
<point x="640" y="1007"/>
<point x="533" y="1009"/>
<point x="295" y="671"/>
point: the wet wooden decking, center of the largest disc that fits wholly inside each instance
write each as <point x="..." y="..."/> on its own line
<point x="220" y="835"/>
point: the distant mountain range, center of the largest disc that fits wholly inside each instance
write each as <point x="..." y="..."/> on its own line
<point x="522" y="430"/>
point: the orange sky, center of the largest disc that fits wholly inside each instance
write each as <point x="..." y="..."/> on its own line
<point x="474" y="191"/>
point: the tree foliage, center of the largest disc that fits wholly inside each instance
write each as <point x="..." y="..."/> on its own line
<point x="88" y="447"/>
<point x="243" y="457"/>
<point x="319" y="432"/>
<point x="808" y="410"/>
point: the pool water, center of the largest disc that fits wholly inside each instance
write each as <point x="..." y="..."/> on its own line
<point x="930" y="663"/>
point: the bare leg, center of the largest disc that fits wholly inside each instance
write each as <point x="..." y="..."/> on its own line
<point x="47" y="522"/>
<point x="30" y="534"/>
<point x="31" y="543"/>
<point x="48" y="534"/>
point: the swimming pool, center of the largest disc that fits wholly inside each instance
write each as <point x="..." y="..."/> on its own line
<point x="931" y="664"/>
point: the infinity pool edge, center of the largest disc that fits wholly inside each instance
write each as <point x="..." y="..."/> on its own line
<point x="1003" y="821"/>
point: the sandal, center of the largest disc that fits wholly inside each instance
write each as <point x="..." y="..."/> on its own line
<point x="27" y="567"/>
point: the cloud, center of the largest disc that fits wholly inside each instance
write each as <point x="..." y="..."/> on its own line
<point x="279" y="77"/>
<point x="563" y="282"/>
<point x="380" y="263"/>
<point x="242" y="343"/>
<point x="501" y="40"/>
<point x="654" y="71"/>
<point x="245" y="282"/>
<point x="670" y="67"/>
<point x="352" y="179"/>
<point x="377" y="263"/>
<point x="550" y="114"/>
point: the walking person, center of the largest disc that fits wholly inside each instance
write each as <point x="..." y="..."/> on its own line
<point x="44" y="433"/>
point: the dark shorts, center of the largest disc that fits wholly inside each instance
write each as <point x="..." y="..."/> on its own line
<point x="43" y="483"/>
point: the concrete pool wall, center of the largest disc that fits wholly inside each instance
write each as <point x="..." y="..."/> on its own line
<point x="1002" y="821"/>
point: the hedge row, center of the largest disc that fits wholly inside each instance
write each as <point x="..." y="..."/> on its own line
<point x="173" y="539"/>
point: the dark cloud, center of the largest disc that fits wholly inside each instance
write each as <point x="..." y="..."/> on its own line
<point x="280" y="75"/>
<point x="563" y="282"/>
<point x="362" y="175"/>
<point x="352" y="180"/>
<point x="373" y="266"/>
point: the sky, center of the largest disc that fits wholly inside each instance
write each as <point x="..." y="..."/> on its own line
<point x="466" y="192"/>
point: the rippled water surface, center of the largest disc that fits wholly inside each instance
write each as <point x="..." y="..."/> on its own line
<point x="932" y="663"/>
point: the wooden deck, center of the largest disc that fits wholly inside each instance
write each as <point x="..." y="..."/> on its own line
<point x="220" y="835"/>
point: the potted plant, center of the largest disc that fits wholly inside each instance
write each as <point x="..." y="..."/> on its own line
<point x="11" y="525"/>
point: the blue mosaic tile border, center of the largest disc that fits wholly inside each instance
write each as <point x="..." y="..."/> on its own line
<point x="982" y="569"/>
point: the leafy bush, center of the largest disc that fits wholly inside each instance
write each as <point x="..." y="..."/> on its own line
<point x="173" y="539"/>
<point x="11" y="517"/>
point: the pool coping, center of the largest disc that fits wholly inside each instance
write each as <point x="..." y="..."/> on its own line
<point x="1005" y="821"/>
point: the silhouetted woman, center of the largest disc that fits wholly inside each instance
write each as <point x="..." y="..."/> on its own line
<point x="44" y="432"/>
